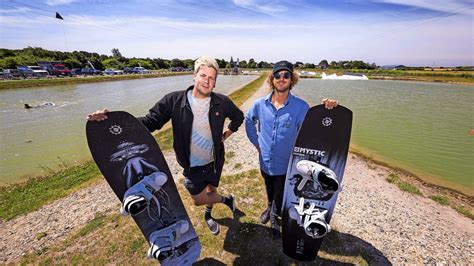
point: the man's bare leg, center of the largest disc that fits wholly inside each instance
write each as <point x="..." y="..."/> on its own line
<point x="209" y="197"/>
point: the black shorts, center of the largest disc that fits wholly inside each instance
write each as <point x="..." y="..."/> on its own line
<point x="199" y="177"/>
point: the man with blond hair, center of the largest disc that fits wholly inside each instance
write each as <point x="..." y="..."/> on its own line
<point x="197" y="115"/>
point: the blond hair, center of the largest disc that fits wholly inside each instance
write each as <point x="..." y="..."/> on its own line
<point x="205" y="61"/>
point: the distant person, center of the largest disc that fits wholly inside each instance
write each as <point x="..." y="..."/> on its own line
<point x="27" y="106"/>
<point x="279" y="115"/>
<point x="197" y="115"/>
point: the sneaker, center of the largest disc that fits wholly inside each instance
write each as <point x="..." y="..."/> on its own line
<point x="265" y="216"/>
<point x="232" y="202"/>
<point x="323" y="175"/>
<point x="275" y="228"/>
<point x="278" y="220"/>
<point x="162" y="242"/>
<point x="138" y="197"/>
<point x="213" y="226"/>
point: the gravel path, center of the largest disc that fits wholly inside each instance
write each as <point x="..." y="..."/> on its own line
<point x="404" y="227"/>
<point x="392" y="225"/>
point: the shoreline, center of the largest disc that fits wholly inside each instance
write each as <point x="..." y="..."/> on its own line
<point x="456" y="198"/>
<point x="421" y="80"/>
<point x="59" y="81"/>
<point x="427" y="181"/>
<point x="413" y="79"/>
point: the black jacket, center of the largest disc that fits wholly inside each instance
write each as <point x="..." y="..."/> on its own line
<point x="175" y="106"/>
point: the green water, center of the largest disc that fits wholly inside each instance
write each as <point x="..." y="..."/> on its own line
<point x="35" y="140"/>
<point x="417" y="126"/>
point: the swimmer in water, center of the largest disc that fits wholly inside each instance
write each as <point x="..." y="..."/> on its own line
<point x="27" y="106"/>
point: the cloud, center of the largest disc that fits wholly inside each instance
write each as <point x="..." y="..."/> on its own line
<point x="23" y="22"/>
<point x="269" y="8"/>
<point x="435" y="5"/>
<point x="15" y="10"/>
<point x="59" y="2"/>
<point x="147" y="22"/>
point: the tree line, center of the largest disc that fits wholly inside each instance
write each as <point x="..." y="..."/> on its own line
<point x="10" y="58"/>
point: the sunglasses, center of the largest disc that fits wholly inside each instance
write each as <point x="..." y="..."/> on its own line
<point x="285" y="75"/>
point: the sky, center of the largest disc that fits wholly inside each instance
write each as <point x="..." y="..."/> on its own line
<point x="386" y="32"/>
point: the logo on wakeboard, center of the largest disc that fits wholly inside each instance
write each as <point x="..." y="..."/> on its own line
<point x="327" y="121"/>
<point x="115" y="129"/>
<point x="301" y="150"/>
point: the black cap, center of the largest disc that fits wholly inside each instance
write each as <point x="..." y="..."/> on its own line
<point x="283" y="65"/>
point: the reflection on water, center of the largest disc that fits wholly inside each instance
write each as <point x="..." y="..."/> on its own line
<point x="32" y="139"/>
<point x="418" y="126"/>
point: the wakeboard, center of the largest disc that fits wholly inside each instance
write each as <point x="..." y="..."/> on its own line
<point x="314" y="179"/>
<point x="134" y="166"/>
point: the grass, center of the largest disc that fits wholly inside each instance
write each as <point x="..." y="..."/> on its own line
<point x="440" y="199"/>
<point x="242" y="240"/>
<point x="464" y="211"/>
<point x="241" y="95"/>
<point x="229" y="155"/>
<point x="40" y="235"/>
<point x="405" y="186"/>
<point x="29" y="196"/>
<point x="371" y="166"/>
<point x="28" y="83"/>
<point x="164" y="138"/>
<point x="93" y="225"/>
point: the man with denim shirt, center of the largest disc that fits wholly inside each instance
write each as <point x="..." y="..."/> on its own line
<point x="272" y="124"/>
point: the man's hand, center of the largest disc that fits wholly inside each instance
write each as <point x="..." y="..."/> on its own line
<point x="226" y="134"/>
<point x="98" y="115"/>
<point x="330" y="103"/>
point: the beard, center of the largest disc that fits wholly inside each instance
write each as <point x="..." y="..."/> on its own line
<point x="282" y="89"/>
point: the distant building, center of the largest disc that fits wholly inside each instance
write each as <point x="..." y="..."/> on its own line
<point x="234" y="67"/>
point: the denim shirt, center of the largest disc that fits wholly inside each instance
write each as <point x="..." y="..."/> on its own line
<point x="274" y="131"/>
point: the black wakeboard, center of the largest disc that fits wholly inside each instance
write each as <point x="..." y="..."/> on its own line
<point x="314" y="179"/>
<point x="135" y="168"/>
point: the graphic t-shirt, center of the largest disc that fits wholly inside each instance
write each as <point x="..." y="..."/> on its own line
<point x="201" y="137"/>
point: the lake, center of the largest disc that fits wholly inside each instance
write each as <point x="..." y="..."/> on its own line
<point x="421" y="127"/>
